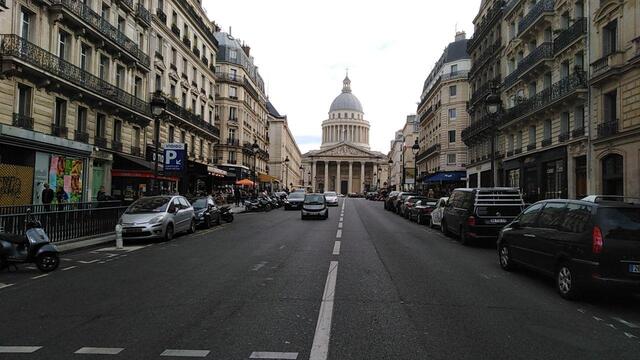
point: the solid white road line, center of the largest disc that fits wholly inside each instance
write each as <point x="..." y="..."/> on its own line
<point x="19" y="349"/>
<point x="68" y="268"/>
<point x="339" y="234"/>
<point x="320" y="347"/>
<point x="625" y="322"/>
<point x="3" y="285"/>
<point x="99" y="351"/>
<point x="88" y="262"/>
<point x="185" y="353"/>
<point x="273" y="355"/>
<point x="40" y="276"/>
<point x="336" y="248"/>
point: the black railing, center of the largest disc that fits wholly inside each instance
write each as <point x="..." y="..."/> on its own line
<point x="546" y="97"/>
<point x="67" y="221"/>
<point x="205" y="60"/>
<point x="543" y="6"/>
<point x="462" y="74"/>
<point x="564" y="137"/>
<point x="116" y="146"/>
<point x="100" y="142"/>
<point x="531" y="147"/>
<point x="479" y="127"/>
<point x="544" y="51"/>
<point x="127" y="3"/>
<point x="511" y="5"/>
<point x="175" y="29"/>
<point x="143" y="14"/>
<point x="518" y="151"/>
<point x="478" y="34"/>
<point x="570" y="35"/>
<point x="191" y="118"/>
<point x="186" y="40"/>
<point x="23" y="121"/>
<point x="40" y="208"/>
<point x="232" y="161"/>
<point x="546" y="142"/>
<point x="161" y="15"/>
<point x="484" y="90"/>
<point x="201" y="24"/>
<point x="104" y="27"/>
<point x="3" y="3"/>
<point x="136" y="151"/>
<point x="579" y="132"/>
<point x="608" y="128"/>
<point x="81" y="136"/>
<point x="59" y="130"/>
<point x="487" y="54"/>
<point x="196" y="51"/>
<point x="227" y="76"/>
<point x="13" y="45"/>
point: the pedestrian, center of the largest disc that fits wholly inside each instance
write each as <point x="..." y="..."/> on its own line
<point x="237" y="195"/>
<point x="61" y="197"/>
<point x="102" y="195"/>
<point x="47" y="196"/>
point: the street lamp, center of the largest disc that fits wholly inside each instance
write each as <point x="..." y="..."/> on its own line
<point x="389" y="174"/>
<point x="493" y="104"/>
<point x="286" y="169"/>
<point x="158" y="106"/>
<point x="301" y="175"/>
<point x="415" y="148"/>
<point x="254" y="149"/>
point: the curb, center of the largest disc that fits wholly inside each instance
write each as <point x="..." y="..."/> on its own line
<point x="72" y="245"/>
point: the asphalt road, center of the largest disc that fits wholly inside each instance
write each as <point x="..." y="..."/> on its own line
<point x="272" y="286"/>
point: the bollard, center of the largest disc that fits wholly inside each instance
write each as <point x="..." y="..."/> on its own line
<point x="119" y="237"/>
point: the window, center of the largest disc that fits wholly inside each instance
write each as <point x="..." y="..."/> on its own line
<point x="233" y="92"/>
<point x="547" y="129"/>
<point x="81" y="121"/>
<point x="25" y="24"/>
<point x="564" y="123"/>
<point x="532" y="135"/>
<point x="158" y="85"/>
<point x="547" y="80"/>
<point x="510" y="142"/>
<point x="105" y="12"/>
<point x="529" y="216"/>
<point x="193" y="144"/>
<point x="101" y="123"/>
<point x="610" y="106"/>
<point x="519" y="140"/>
<point x="173" y="91"/>
<point x="552" y="215"/>
<point x="613" y="175"/>
<point x="120" y="76"/>
<point x="63" y="45"/>
<point x="454" y="69"/>
<point x="201" y="152"/>
<point x="452" y="136"/>
<point x="24" y="100"/>
<point x="579" y="61"/>
<point x="174" y="18"/>
<point x="174" y="56"/>
<point x="184" y="100"/>
<point x="85" y="57"/>
<point x="172" y="133"/>
<point x="452" y="114"/>
<point x="578" y="117"/>
<point x="194" y="72"/>
<point x="117" y="131"/>
<point x="136" y="137"/>
<point x="610" y="38"/>
<point x="576" y="218"/>
<point x="121" y="24"/>
<point x="232" y="156"/>
<point x="183" y="136"/>
<point x="233" y="54"/>
<point x="137" y="87"/>
<point x="451" y="159"/>
<point x="103" y="71"/>
<point x="453" y="90"/>
<point x="60" y="117"/>
<point x="532" y="89"/>
<point x="564" y="69"/>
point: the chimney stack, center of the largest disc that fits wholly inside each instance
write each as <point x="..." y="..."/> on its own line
<point x="246" y="49"/>
<point x="461" y="35"/>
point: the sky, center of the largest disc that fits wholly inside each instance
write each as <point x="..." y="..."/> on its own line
<point x="302" y="49"/>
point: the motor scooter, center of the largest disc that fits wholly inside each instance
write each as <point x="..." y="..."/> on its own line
<point x="32" y="247"/>
<point x="225" y="213"/>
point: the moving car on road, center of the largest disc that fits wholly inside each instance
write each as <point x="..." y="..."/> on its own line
<point x="422" y="210"/>
<point x="314" y="205"/>
<point x="475" y="214"/>
<point x="583" y="244"/>
<point x="294" y="201"/>
<point x="438" y="212"/>
<point x="331" y="197"/>
<point x="206" y="212"/>
<point x="158" y="217"/>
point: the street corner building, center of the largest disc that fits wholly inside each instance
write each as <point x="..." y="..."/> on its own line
<point x="344" y="163"/>
<point x="76" y="81"/>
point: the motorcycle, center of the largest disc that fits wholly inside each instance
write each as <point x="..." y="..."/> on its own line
<point x="226" y="214"/>
<point x="32" y="247"/>
<point x="258" y="204"/>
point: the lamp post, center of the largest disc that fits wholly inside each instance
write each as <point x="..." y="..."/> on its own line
<point x="286" y="174"/>
<point x="403" y="169"/>
<point x="254" y="149"/>
<point x="493" y="104"/>
<point x="158" y="106"/>
<point x="415" y="149"/>
<point x="389" y="174"/>
<point x="301" y="175"/>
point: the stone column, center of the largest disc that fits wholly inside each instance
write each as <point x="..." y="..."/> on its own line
<point x="362" y="176"/>
<point x="326" y="176"/>
<point x="350" y="187"/>
<point x="313" y="176"/>
<point x="338" y="182"/>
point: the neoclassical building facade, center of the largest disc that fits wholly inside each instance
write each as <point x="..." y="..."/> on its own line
<point x="345" y="163"/>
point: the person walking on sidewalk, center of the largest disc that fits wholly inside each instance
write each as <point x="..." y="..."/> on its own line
<point x="47" y="197"/>
<point x="237" y="196"/>
<point x="61" y="197"/>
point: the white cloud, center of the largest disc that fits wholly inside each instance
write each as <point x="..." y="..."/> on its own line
<point x="303" y="48"/>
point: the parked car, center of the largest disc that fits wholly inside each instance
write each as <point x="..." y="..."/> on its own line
<point x="422" y="210"/>
<point x="314" y="205"/>
<point x="294" y="201"/>
<point x="583" y="244"/>
<point x="400" y="199"/>
<point x="158" y="217"/>
<point x="331" y="197"/>
<point x="390" y="200"/>
<point x="409" y="202"/>
<point x="438" y="212"/>
<point x="475" y="214"/>
<point x="206" y="211"/>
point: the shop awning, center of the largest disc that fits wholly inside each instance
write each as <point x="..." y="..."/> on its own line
<point x="266" y="178"/>
<point x="449" y="176"/>
<point x="214" y="171"/>
<point x="140" y="174"/>
<point x="128" y="162"/>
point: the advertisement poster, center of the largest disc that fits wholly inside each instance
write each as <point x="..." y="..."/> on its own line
<point x="66" y="174"/>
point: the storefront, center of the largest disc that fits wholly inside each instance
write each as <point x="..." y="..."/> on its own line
<point x="132" y="177"/>
<point x="443" y="183"/>
<point x="479" y="176"/>
<point x="540" y="176"/>
<point x="233" y="174"/>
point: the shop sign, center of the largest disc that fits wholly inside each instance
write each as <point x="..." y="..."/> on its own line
<point x="151" y="154"/>
<point x="175" y="157"/>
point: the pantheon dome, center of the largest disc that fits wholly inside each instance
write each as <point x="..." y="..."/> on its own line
<point x="346" y="121"/>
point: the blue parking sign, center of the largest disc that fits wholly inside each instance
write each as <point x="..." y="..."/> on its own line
<point x="175" y="156"/>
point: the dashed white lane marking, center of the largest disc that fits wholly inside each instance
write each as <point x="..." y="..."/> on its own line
<point x="339" y="234"/>
<point x="625" y="322"/>
<point x="99" y="351"/>
<point x="336" y="248"/>
<point x="341" y="218"/>
<point x="3" y="285"/>
<point x="583" y="311"/>
<point x="273" y="355"/>
<point x="597" y="318"/>
<point x="185" y="353"/>
<point x="19" y="349"/>
<point x="339" y="225"/>
<point x="69" y="268"/>
<point x="630" y="336"/>
<point x="282" y="247"/>
<point x="320" y="347"/>
<point x="88" y="262"/>
<point x="259" y="266"/>
<point x="39" y="276"/>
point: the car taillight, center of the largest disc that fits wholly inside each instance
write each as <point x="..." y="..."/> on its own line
<point x="597" y="241"/>
<point x="471" y="221"/>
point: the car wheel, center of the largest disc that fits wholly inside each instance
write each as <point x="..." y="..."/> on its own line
<point x="47" y="262"/>
<point x="192" y="227"/>
<point x="504" y="256"/>
<point x="168" y="233"/>
<point x="444" y="228"/>
<point x="567" y="284"/>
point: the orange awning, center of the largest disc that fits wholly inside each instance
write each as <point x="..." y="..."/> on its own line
<point x="245" y="182"/>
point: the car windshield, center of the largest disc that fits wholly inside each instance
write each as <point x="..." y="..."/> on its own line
<point x="314" y="199"/>
<point x="510" y="211"/>
<point x="200" y="204"/>
<point x="330" y="193"/>
<point x="620" y="223"/>
<point x="296" y="196"/>
<point x="149" y="205"/>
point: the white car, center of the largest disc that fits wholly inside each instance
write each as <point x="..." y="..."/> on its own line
<point x="438" y="212"/>
<point x="331" y="197"/>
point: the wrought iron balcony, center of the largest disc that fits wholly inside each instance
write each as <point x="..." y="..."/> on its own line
<point x="547" y="97"/>
<point x="23" y="121"/>
<point x="127" y="3"/>
<point x="95" y="21"/>
<point x="608" y="128"/>
<point x="487" y="54"/>
<point x="531" y="147"/>
<point x="116" y="145"/>
<point x="485" y="25"/>
<point x="81" y="136"/>
<point x="462" y="74"/>
<point x="205" y="60"/>
<point x="175" y="29"/>
<point x="233" y="142"/>
<point x="136" y="151"/>
<point x="570" y="35"/>
<point x="579" y="132"/>
<point x="196" y="51"/>
<point x="539" y="9"/>
<point x="546" y="142"/>
<point x="484" y="90"/>
<point x="563" y="137"/>
<point x="17" y="47"/>
<point x="59" y="130"/>
<point x="542" y="52"/>
<point x="479" y="128"/>
<point x="232" y="161"/>
<point x="518" y="151"/>
<point x="100" y="142"/>
<point x="191" y="118"/>
<point x="3" y="4"/>
<point x="186" y="40"/>
<point x="510" y="6"/>
<point x="143" y="15"/>
<point x="161" y="15"/>
<point x="227" y="76"/>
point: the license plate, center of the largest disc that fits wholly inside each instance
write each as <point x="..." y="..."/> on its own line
<point x="498" y="221"/>
<point x="634" y="268"/>
<point x="133" y="230"/>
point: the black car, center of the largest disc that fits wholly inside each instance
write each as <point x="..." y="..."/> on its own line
<point x="206" y="211"/>
<point x="475" y="214"/>
<point x="583" y="244"/>
<point x="390" y="200"/>
<point x="294" y="201"/>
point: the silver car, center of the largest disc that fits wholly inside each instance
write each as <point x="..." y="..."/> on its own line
<point x="158" y="217"/>
<point x="331" y="197"/>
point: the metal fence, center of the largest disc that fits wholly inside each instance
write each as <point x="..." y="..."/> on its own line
<point x="67" y="224"/>
<point x="41" y="208"/>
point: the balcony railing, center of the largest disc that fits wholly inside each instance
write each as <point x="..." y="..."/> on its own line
<point x="607" y="62"/>
<point x="232" y="161"/>
<point x="104" y="27"/>
<point x="100" y="142"/>
<point x="23" y="121"/>
<point x="546" y="142"/>
<point x="479" y="127"/>
<point x="143" y="14"/>
<point x="161" y="15"/>
<point x="59" y="130"/>
<point x="484" y="90"/>
<point x="563" y="137"/>
<point x="191" y="118"/>
<point x="518" y="151"/>
<point x="233" y="142"/>
<point x="128" y="3"/>
<point x="579" y="132"/>
<point x="186" y="40"/>
<point x="136" y="151"/>
<point x="546" y="97"/>
<point x="462" y="74"/>
<point x="487" y="54"/>
<point x="13" y="45"/>
<point x="570" y="35"/>
<point x="81" y="136"/>
<point x="175" y="29"/>
<point x="608" y="128"/>
<point x="531" y="147"/>
<point x="227" y="76"/>
<point x="205" y="60"/>
<point x="116" y="146"/>
<point x="201" y="24"/>
<point x="196" y="51"/>
<point x="542" y="52"/>
<point x="493" y="14"/>
<point x="543" y="6"/>
<point x="510" y="6"/>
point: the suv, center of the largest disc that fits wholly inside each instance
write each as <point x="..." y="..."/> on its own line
<point x="582" y="243"/>
<point x="480" y="213"/>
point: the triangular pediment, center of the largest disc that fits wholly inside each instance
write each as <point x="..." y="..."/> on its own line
<point x="345" y="150"/>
